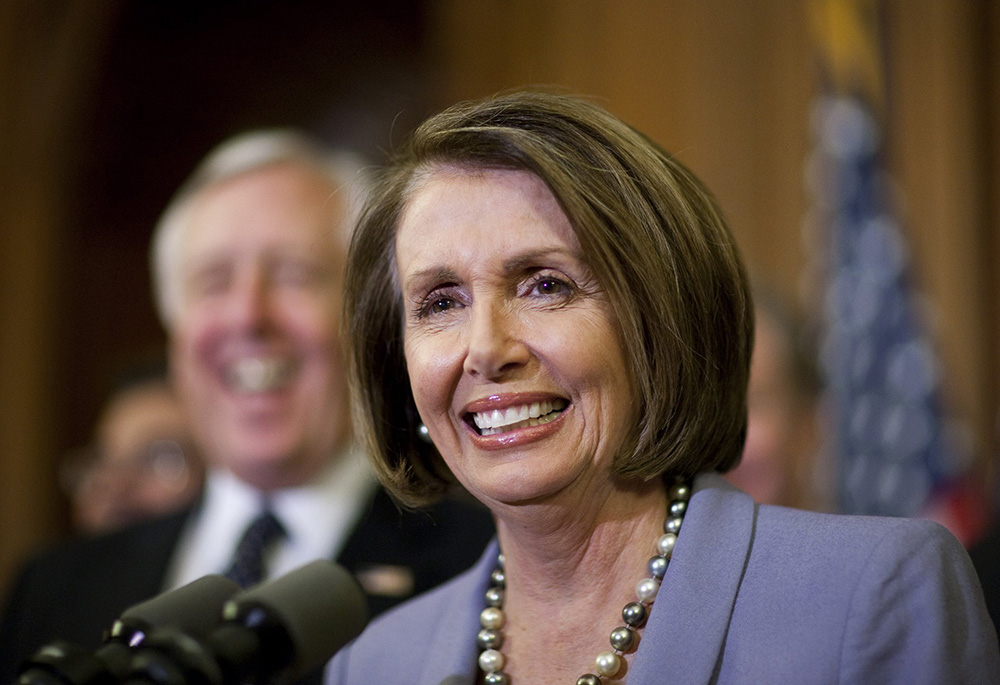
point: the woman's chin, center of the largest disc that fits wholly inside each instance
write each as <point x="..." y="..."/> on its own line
<point x="517" y="484"/>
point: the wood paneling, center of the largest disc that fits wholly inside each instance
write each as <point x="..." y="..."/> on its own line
<point x="938" y="148"/>
<point x="47" y="64"/>
<point x="727" y="87"/>
<point x="724" y="86"/>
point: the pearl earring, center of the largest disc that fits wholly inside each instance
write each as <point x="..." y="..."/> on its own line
<point x="422" y="431"/>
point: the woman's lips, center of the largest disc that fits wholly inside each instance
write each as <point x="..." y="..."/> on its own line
<point x="524" y="415"/>
<point x="506" y="420"/>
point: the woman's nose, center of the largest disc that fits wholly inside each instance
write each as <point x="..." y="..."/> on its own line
<point x="494" y="343"/>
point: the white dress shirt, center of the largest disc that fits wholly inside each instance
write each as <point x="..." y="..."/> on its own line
<point x="318" y="518"/>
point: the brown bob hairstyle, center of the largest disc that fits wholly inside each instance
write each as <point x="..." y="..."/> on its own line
<point x="651" y="233"/>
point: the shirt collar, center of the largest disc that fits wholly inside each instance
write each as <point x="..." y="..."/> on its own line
<point x="318" y="518"/>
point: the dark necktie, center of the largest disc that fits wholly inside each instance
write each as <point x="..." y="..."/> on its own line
<point x="247" y="567"/>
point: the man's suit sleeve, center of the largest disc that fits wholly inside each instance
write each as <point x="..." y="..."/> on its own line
<point x="14" y="640"/>
<point x="74" y="590"/>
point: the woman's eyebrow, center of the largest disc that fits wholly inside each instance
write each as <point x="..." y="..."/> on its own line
<point x="512" y="265"/>
<point x="437" y="274"/>
<point x="524" y="260"/>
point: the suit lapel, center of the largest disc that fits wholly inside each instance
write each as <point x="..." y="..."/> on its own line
<point x="683" y="641"/>
<point x="101" y="577"/>
<point x="453" y="650"/>
<point x="365" y="542"/>
<point x="154" y="550"/>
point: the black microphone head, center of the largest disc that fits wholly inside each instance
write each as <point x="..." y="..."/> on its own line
<point x="194" y="609"/>
<point x="319" y="605"/>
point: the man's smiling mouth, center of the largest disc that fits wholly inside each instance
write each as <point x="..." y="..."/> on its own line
<point x="259" y="373"/>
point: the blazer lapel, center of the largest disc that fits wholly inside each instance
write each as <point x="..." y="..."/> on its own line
<point x="683" y="640"/>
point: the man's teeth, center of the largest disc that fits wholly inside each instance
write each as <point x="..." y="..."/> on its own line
<point x="523" y="416"/>
<point x="259" y="374"/>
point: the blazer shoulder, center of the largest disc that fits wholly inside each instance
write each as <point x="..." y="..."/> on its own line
<point x="866" y="579"/>
<point x="861" y="533"/>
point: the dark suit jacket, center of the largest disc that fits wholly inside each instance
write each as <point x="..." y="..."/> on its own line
<point x="76" y="590"/>
<point x="986" y="558"/>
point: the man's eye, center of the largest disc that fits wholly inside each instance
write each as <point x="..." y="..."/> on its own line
<point x="297" y="273"/>
<point x="209" y="282"/>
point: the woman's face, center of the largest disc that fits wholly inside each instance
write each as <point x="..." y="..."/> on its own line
<point x="512" y="346"/>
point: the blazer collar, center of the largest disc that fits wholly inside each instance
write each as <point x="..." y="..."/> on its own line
<point x="683" y="640"/>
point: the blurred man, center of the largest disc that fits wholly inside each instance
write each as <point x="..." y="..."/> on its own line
<point x="248" y="262"/>
<point x="142" y="462"/>
<point x="780" y="463"/>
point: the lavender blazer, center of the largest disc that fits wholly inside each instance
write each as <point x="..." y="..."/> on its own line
<point x="754" y="594"/>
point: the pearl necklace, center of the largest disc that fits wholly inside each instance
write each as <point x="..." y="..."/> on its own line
<point x="624" y="639"/>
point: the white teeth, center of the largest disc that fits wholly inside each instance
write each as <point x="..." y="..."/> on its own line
<point x="259" y="374"/>
<point x="534" y="414"/>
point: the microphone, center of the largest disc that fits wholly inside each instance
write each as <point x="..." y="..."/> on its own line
<point x="275" y="632"/>
<point x="193" y="608"/>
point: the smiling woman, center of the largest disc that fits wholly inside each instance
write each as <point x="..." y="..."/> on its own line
<point x="684" y="318"/>
<point x="504" y="322"/>
<point x="560" y="307"/>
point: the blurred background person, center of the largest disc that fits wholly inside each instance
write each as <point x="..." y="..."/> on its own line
<point x="247" y="261"/>
<point x="781" y="462"/>
<point x="141" y="462"/>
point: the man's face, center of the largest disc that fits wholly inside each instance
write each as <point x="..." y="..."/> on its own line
<point x="254" y="347"/>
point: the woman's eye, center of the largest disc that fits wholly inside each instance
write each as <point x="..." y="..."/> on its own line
<point x="439" y="305"/>
<point x="549" y="285"/>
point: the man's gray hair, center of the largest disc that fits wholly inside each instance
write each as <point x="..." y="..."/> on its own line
<point x="235" y="157"/>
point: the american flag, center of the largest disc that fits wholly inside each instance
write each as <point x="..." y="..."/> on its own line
<point x="883" y="380"/>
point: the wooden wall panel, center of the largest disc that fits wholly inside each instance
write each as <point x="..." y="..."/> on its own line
<point x="46" y="66"/>
<point x="991" y="259"/>
<point x="728" y="88"/>
<point x="725" y="86"/>
<point x="937" y="145"/>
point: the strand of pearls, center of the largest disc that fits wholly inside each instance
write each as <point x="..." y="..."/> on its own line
<point x="624" y="639"/>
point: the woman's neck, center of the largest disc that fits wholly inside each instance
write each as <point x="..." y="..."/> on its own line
<point x="572" y="574"/>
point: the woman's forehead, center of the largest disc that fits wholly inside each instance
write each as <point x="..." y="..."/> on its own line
<point x="492" y="206"/>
